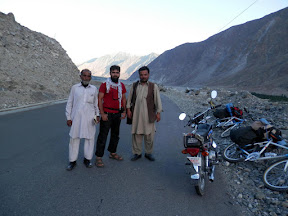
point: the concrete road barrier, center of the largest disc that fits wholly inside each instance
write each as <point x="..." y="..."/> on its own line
<point x="30" y="106"/>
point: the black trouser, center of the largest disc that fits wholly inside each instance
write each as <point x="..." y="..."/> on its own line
<point x="114" y="120"/>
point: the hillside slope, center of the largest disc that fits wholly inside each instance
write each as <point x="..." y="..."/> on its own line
<point x="33" y="67"/>
<point x="252" y="56"/>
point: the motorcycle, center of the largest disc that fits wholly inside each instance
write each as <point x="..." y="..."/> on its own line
<point x="200" y="147"/>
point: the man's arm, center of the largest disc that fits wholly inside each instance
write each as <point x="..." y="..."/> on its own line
<point x="128" y="103"/>
<point x="96" y="108"/>
<point x="123" y="116"/>
<point x="69" y="106"/>
<point x="158" y="103"/>
<point x="100" y="105"/>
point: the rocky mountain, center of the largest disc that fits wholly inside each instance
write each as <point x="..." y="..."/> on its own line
<point x="252" y="56"/>
<point x="33" y="67"/>
<point x="128" y="63"/>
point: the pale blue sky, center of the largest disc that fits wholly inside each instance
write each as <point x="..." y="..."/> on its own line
<point x="92" y="28"/>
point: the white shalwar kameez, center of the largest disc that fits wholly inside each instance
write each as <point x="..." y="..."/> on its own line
<point x="82" y="106"/>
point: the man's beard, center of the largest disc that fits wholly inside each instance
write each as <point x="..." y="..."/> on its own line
<point x="143" y="80"/>
<point x="85" y="82"/>
<point x="115" y="80"/>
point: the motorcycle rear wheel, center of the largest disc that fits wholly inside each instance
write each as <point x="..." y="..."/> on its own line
<point x="200" y="187"/>
<point x="233" y="153"/>
<point x="275" y="177"/>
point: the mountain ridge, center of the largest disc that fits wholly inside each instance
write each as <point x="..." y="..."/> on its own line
<point x="252" y="56"/>
<point x="128" y="63"/>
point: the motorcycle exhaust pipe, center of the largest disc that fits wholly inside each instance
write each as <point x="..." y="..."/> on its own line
<point x="195" y="176"/>
<point x="211" y="176"/>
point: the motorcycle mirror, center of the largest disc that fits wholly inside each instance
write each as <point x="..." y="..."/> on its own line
<point x="213" y="94"/>
<point x="182" y="116"/>
<point x="214" y="145"/>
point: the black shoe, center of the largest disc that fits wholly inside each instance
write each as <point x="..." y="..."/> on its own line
<point x="87" y="163"/>
<point x="149" y="157"/>
<point x="136" y="157"/>
<point x="71" y="166"/>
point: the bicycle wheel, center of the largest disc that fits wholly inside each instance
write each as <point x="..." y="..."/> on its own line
<point x="226" y="133"/>
<point x="233" y="153"/>
<point x="276" y="177"/>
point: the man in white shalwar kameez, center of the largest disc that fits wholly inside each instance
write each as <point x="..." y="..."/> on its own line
<point x="81" y="109"/>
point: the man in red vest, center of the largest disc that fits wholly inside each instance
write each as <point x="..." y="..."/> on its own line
<point x="112" y="106"/>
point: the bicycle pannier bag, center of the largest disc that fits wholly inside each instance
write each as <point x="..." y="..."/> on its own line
<point x="243" y="136"/>
<point x="237" y="112"/>
<point x="221" y="113"/>
<point x="275" y="134"/>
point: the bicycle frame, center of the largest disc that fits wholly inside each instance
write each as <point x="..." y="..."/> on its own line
<point x="286" y="167"/>
<point x="226" y="122"/>
<point x="275" y="176"/>
<point x="254" y="157"/>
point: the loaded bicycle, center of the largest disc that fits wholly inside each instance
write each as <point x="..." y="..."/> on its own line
<point x="273" y="147"/>
<point x="229" y="118"/>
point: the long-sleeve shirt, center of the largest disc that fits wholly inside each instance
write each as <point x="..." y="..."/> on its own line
<point x="140" y="122"/>
<point x="82" y="106"/>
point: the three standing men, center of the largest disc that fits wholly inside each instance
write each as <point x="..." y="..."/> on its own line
<point x="144" y="107"/>
<point x="84" y="103"/>
<point x="81" y="108"/>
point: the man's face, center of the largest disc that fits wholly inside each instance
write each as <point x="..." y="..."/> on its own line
<point x="115" y="74"/>
<point x="85" y="76"/>
<point x="144" y="76"/>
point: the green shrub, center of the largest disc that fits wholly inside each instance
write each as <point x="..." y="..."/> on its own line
<point x="273" y="98"/>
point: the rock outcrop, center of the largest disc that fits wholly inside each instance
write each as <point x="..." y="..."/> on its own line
<point x="33" y="67"/>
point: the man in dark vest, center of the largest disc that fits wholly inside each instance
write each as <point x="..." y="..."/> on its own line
<point x="143" y="107"/>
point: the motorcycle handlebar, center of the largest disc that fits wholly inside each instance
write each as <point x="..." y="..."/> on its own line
<point x="216" y="106"/>
<point x="195" y="119"/>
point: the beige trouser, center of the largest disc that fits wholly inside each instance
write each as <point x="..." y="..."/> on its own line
<point x="137" y="140"/>
<point x="74" y="149"/>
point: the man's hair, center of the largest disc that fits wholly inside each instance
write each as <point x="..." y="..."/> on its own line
<point x="144" y="68"/>
<point x="85" y="70"/>
<point x="114" y="67"/>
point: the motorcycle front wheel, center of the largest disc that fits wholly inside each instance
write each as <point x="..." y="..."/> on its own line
<point x="201" y="181"/>
<point x="276" y="176"/>
<point x="233" y="153"/>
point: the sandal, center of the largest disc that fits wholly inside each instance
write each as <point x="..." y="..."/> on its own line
<point x="99" y="162"/>
<point x="115" y="156"/>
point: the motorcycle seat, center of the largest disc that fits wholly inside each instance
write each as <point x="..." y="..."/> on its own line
<point x="203" y="130"/>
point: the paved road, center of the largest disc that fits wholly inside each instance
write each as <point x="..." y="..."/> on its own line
<point x="33" y="179"/>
